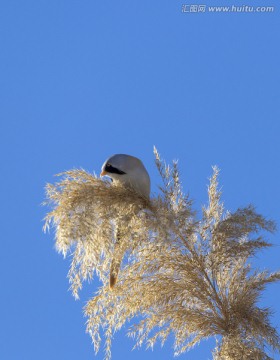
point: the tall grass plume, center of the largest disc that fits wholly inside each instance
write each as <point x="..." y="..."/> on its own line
<point x="181" y="275"/>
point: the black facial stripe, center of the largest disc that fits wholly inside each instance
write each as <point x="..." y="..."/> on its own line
<point x="110" y="169"/>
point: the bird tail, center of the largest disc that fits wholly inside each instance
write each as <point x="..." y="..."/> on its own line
<point x="116" y="262"/>
<point x="113" y="275"/>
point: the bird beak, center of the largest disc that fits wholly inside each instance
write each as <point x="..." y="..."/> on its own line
<point x="103" y="173"/>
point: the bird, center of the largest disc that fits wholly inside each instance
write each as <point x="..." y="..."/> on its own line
<point x="129" y="172"/>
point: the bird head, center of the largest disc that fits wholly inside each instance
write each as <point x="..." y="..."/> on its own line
<point x="129" y="171"/>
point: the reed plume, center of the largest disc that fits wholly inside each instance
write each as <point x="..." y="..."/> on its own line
<point x="180" y="275"/>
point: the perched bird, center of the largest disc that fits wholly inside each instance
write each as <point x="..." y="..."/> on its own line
<point x="130" y="172"/>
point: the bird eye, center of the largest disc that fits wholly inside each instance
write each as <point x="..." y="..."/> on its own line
<point x="113" y="170"/>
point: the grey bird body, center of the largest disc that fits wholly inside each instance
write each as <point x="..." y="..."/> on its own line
<point x="130" y="172"/>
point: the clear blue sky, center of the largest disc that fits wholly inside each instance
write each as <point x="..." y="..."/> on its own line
<point x="81" y="80"/>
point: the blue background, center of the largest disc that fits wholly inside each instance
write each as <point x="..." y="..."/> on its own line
<point x="81" y="80"/>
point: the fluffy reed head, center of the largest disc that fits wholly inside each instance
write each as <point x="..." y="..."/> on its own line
<point x="180" y="275"/>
